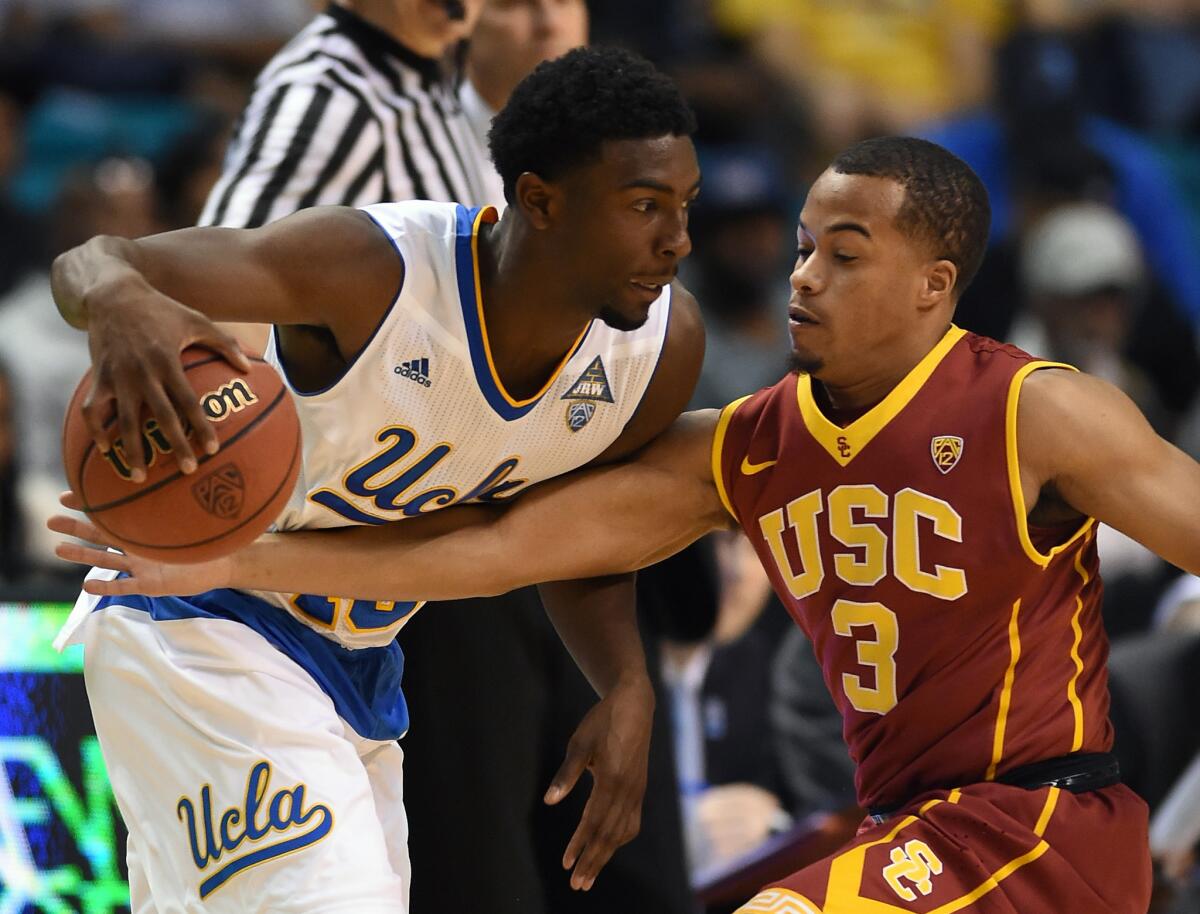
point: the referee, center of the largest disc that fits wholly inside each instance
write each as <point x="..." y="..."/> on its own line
<point x="359" y="108"/>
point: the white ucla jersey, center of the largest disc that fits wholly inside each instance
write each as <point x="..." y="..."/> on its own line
<point x="420" y="420"/>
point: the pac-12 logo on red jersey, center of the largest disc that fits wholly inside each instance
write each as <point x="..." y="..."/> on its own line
<point x="945" y="449"/>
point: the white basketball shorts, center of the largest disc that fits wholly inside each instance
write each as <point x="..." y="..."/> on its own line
<point x="242" y="788"/>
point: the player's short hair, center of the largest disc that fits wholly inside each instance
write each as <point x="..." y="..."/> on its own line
<point x="945" y="203"/>
<point x="560" y="114"/>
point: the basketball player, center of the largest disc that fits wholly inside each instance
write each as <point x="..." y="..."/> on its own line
<point x="925" y="502"/>
<point x="437" y="355"/>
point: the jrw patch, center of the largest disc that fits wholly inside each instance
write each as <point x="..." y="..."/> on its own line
<point x="591" y="385"/>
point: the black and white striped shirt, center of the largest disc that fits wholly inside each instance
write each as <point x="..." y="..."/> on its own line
<point x="345" y="114"/>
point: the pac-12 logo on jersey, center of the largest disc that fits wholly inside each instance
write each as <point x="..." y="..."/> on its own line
<point x="579" y="414"/>
<point x="945" y="449"/>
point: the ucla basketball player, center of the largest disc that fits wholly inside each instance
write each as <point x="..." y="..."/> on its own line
<point x="925" y="503"/>
<point x="437" y="356"/>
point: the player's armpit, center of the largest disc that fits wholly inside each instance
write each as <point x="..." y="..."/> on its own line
<point x="1092" y="443"/>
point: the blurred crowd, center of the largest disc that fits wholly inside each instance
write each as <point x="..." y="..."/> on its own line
<point x="1082" y="117"/>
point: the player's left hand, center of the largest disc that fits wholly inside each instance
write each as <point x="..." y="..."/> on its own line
<point x="613" y="743"/>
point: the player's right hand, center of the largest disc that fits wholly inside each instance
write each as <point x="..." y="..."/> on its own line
<point x="136" y="338"/>
<point x="144" y="576"/>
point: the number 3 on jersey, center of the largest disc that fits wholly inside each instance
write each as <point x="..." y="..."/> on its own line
<point x="851" y="509"/>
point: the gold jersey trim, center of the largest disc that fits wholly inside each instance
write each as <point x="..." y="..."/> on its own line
<point x="718" y="446"/>
<point x="1014" y="468"/>
<point x="488" y="214"/>
<point x="844" y="444"/>
<point x="1014" y="647"/>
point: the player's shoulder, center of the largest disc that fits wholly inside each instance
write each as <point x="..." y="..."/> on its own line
<point x="415" y="219"/>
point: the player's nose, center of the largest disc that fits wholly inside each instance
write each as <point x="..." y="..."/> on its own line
<point x="806" y="278"/>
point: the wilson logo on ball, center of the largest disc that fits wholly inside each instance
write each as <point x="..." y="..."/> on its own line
<point x="153" y="442"/>
<point x="221" y="492"/>
<point x="227" y="399"/>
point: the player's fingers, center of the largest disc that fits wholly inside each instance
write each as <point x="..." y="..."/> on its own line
<point x="188" y="406"/>
<point x="129" y="412"/>
<point x="167" y="418"/>
<point x="574" y="764"/>
<point x="588" y="823"/>
<point x="599" y="848"/>
<point x="90" y="555"/>
<point x="69" y="499"/>
<point x="96" y="411"/>
<point x="78" y="528"/>
<point x="118" y="587"/>
<point x="224" y="344"/>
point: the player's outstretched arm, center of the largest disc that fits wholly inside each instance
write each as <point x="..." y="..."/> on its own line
<point x="1086" y="441"/>
<point x="143" y="301"/>
<point x="602" y="521"/>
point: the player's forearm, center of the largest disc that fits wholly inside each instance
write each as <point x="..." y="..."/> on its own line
<point x="596" y="620"/>
<point x="91" y="274"/>
<point x="393" y="562"/>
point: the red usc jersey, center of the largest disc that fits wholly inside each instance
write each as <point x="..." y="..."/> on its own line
<point x="957" y="642"/>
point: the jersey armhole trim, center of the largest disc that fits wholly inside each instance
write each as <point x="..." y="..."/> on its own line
<point x="353" y="360"/>
<point x="718" y="446"/>
<point x="1014" y="469"/>
<point x="662" y="347"/>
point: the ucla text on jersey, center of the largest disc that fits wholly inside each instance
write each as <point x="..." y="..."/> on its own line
<point x="421" y="420"/>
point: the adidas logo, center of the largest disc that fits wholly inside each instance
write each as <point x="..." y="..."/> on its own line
<point x="417" y="370"/>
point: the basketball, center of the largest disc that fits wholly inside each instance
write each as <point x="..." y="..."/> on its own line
<point x="231" y="498"/>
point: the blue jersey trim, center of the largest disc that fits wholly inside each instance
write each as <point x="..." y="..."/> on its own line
<point x="467" y="223"/>
<point x="468" y="297"/>
<point x="364" y="684"/>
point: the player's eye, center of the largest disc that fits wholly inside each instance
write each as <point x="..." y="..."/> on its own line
<point x="645" y="206"/>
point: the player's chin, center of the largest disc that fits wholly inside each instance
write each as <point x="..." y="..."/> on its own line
<point x="626" y="317"/>
<point x="804" y="361"/>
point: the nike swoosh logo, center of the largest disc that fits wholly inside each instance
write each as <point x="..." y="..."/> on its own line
<point x="749" y="469"/>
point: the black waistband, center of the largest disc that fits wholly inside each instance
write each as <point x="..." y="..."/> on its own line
<point x="1077" y="773"/>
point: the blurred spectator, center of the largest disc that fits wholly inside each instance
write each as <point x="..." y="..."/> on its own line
<point x="45" y="355"/>
<point x="1038" y="114"/>
<point x="1085" y="281"/>
<point x="719" y="630"/>
<point x="12" y="521"/>
<point x="1178" y="609"/>
<point x="807" y="726"/>
<point x="20" y="232"/>
<point x="743" y="229"/>
<point x="189" y="169"/>
<point x="865" y="68"/>
<point x="358" y="108"/>
<point x="510" y="39"/>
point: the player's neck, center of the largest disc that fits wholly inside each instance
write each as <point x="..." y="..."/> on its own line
<point x="845" y="399"/>
<point x="527" y="339"/>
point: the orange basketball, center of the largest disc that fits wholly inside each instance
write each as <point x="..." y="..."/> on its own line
<point x="230" y="499"/>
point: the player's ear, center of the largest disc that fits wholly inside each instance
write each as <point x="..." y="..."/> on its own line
<point x="536" y="199"/>
<point x="938" y="284"/>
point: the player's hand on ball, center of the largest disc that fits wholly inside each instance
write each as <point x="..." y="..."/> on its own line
<point x="136" y="338"/>
<point x="145" y="576"/>
<point x="613" y="743"/>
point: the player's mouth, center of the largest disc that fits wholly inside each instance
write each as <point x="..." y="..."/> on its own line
<point x="799" y="317"/>
<point x="650" y="286"/>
